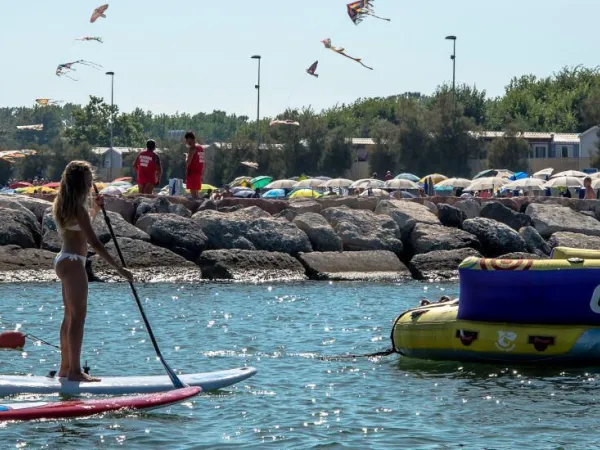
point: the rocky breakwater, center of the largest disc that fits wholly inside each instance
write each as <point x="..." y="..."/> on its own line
<point x="326" y="239"/>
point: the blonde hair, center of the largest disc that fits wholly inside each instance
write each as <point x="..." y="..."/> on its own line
<point x="73" y="193"/>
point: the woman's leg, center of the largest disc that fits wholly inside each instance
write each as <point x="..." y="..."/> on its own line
<point x="64" y="342"/>
<point x="76" y="291"/>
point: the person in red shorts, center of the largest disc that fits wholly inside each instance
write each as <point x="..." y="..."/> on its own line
<point x="148" y="168"/>
<point x="195" y="164"/>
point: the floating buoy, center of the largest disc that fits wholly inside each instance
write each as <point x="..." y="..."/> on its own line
<point x="12" y="340"/>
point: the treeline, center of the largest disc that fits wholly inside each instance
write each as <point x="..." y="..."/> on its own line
<point x="414" y="132"/>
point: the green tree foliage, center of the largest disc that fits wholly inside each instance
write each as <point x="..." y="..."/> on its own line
<point x="509" y="151"/>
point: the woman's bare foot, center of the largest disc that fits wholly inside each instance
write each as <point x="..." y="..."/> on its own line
<point x="82" y="377"/>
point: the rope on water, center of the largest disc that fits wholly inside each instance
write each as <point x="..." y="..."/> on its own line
<point x="35" y="338"/>
<point x="387" y="352"/>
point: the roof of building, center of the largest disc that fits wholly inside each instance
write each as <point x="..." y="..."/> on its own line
<point x="570" y="138"/>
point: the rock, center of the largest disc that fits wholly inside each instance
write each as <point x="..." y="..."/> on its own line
<point x="230" y="209"/>
<point x="10" y="203"/>
<point x="549" y="219"/>
<point x="13" y="257"/>
<point x="521" y="255"/>
<point x="439" y="263"/>
<point x="179" y="234"/>
<point x="451" y="216"/>
<point x="140" y="254"/>
<point x="534" y="242"/>
<point x="245" y="264"/>
<point x="121" y="228"/>
<point x="142" y="209"/>
<point x="496" y="238"/>
<point x="209" y="205"/>
<point x="254" y="212"/>
<point x="574" y="240"/>
<point x="364" y="230"/>
<point x="366" y="203"/>
<point x="271" y="206"/>
<point x="126" y="208"/>
<point x="263" y="233"/>
<point x="321" y="234"/>
<point x="302" y="206"/>
<point x="360" y="265"/>
<point x="51" y="241"/>
<point x="161" y="205"/>
<point x="470" y="207"/>
<point x="180" y="210"/>
<point x="406" y="214"/>
<point x="18" y="227"/>
<point x="426" y="238"/>
<point x="432" y="207"/>
<point x="505" y="215"/>
<point x="36" y="205"/>
<point x="287" y="214"/>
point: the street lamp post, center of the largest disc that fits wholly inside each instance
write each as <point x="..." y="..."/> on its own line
<point x="453" y="58"/>
<point x="257" y="86"/>
<point x="112" y="103"/>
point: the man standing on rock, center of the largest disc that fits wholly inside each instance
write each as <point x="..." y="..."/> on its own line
<point x="195" y="164"/>
<point x="148" y="168"/>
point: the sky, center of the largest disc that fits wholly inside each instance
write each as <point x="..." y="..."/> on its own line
<point x="194" y="55"/>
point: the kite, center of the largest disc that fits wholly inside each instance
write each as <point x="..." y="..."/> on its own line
<point x="358" y="10"/>
<point x="312" y="69"/>
<point x="63" y="69"/>
<point x="284" y="122"/>
<point x="341" y="51"/>
<point x="90" y="38"/>
<point x="46" y="101"/>
<point x="253" y="165"/>
<point x="39" y="127"/>
<point x="99" y="12"/>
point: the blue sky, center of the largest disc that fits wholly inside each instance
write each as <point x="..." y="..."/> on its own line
<point x="194" y="55"/>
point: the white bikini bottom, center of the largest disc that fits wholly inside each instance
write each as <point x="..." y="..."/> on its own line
<point x="70" y="257"/>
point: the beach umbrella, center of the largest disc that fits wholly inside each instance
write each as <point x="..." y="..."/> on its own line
<point x="570" y="173"/>
<point x="55" y="185"/>
<point x="518" y="176"/>
<point x="241" y="188"/>
<point x="483" y="184"/>
<point x="544" y="173"/>
<point x="337" y="182"/>
<point x="569" y="182"/>
<point x="127" y="179"/>
<point x="596" y="183"/>
<point x="20" y="184"/>
<point x="595" y="176"/>
<point x="36" y="190"/>
<point x="367" y="183"/>
<point x="244" y="194"/>
<point x="239" y="181"/>
<point x="501" y="173"/>
<point x="204" y="187"/>
<point x="281" y="184"/>
<point x="310" y="183"/>
<point x="305" y="193"/>
<point x="404" y="194"/>
<point x="434" y="177"/>
<point x="525" y="183"/>
<point x="323" y="178"/>
<point x="112" y="191"/>
<point x="454" y="183"/>
<point x="260" y="182"/>
<point x="407" y="176"/>
<point x="134" y="190"/>
<point x="401" y="183"/>
<point x="274" y="193"/>
<point x="376" y="193"/>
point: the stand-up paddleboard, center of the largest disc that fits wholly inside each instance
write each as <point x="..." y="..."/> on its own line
<point x="82" y="408"/>
<point x="207" y="381"/>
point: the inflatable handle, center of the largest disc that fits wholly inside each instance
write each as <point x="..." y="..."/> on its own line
<point x="466" y="337"/>
<point x="541" y="343"/>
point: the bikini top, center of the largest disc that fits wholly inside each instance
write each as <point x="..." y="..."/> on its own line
<point x="73" y="227"/>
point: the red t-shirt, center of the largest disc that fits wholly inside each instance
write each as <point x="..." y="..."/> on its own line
<point x="196" y="167"/>
<point x="147" y="164"/>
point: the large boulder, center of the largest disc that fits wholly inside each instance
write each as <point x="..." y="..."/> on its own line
<point x="51" y="241"/>
<point x="321" y="234"/>
<point x="406" y="215"/>
<point x="180" y="210"/>
<point x="496" y="238"/>
<point x="120" y="226"/>
<point x="18" y="227"/>
<point x="534" y="242"/>
<point x="426" y="238"/>
<point x="522" y="255"/>
<point x="145" y="205"/>
<point x="352" y="202"/>
<point x="246" y="265"/>
<point x="440" y="263"/>
<point x="549" y="219"/>
<point x="13" y="257"/>
<point x="122" y="206"/>
<point x="360" y="265"/>
<point x="179" y="234"/>
<point x="36" y="205"/>
<point x="451" y="216"/>
<point x="500" y="213"/>
<point x="470" y="207"/>
<point x="364" y="230"/>
<point x="250" y="229"/>
<point x="574" y="240"/>
<point x="301" y="206"/>
<point x="140" y="255"/>
<point x="269" y="205"/>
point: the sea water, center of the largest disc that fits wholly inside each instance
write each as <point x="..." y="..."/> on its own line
<point x="298" y="399"/>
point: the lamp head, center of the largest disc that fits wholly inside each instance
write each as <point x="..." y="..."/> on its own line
<point x="110" y="73"/>
<point x="451" y="38"/>
<point x="256" y="57"/>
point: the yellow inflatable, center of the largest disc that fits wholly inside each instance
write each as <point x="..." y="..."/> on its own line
<point x="568" y="253"/>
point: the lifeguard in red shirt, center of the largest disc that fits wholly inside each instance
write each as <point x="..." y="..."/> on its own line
<point x="148" y="169"/>
<point x="195" y="164"/>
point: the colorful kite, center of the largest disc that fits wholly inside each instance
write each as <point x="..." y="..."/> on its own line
<point x="47" y="101"/>
<point x="39" y="127"/>
<point x="284" y="122"/>
<point x="62" y="70"/>
<point x="341" y="51"/>
<point x="250" y="164"/>
<point x="312" y="69"/>
<point x="90" y="38"/>
<point x="358" y="10"/>
<point x="99" y="12"/>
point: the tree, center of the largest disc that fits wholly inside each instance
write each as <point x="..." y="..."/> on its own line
<point x="509" y="151"/>
<point x="338" y="157"/>
<point x="386" y="155"/>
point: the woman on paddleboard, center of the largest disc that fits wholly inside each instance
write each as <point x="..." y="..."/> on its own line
<point x="74" y="224"/>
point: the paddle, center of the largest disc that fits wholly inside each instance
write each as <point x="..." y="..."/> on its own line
<point x="174" y="378"/>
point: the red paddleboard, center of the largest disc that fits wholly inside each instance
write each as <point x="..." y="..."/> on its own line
<point x="82" y="408"/>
